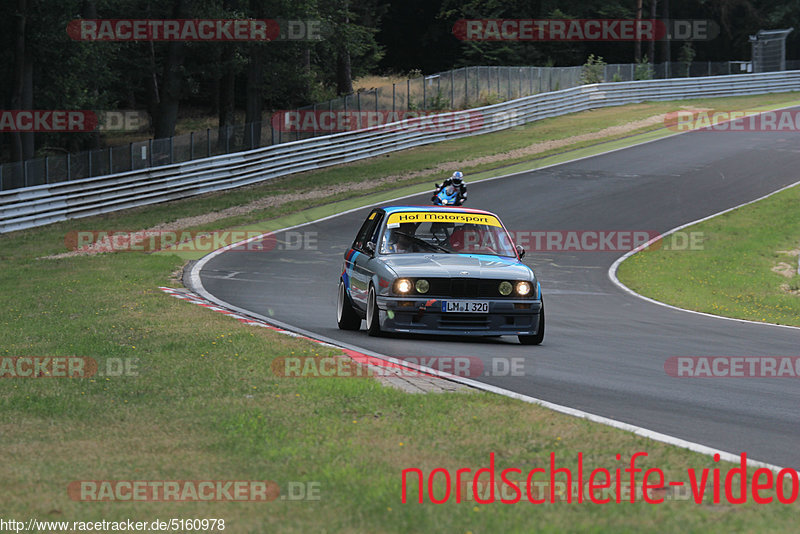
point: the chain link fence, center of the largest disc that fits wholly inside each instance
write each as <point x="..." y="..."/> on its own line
<point x="462" y="88"/>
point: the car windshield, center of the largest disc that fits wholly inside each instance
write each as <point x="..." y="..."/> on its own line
<point x="447" y="237"/>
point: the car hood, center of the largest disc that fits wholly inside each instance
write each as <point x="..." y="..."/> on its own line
<point x="456" y="265"/>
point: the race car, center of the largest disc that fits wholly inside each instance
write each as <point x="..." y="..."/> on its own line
<point x="438" y="270"/>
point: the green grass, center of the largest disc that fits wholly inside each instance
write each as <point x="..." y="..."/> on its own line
<point x="731" y="274"/>
<point x="205" y="404"/>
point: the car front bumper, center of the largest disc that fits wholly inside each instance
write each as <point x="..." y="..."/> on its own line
<point x="425" y="316"/>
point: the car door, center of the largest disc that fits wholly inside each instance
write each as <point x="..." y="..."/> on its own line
<point x="359" y="266"/>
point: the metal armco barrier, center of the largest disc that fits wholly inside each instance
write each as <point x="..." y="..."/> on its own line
<point x="39" y="205"/>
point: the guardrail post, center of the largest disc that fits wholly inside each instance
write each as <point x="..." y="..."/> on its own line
<point x="47" y="169"/>
<point x="25" y="173"/>
<point x="150" y="152"/>
<point x="376" y="100"/>
<point x="530" y="80"/>
<point x="452" y="89"/>
<point x="466" y="87"/>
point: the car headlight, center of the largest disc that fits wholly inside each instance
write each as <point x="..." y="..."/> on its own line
<point x="505" y="288"/>
<point x="402" y="285"/>
<point x="422" y="286"/>
<point x="523" y="289"/>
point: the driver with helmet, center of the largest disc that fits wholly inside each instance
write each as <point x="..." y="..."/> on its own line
<point x="455" y="181"/>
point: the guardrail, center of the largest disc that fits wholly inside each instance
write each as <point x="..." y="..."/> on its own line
<point x="45" y="204"/>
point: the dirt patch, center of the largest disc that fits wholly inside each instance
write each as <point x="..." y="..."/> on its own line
<point x="788" y="270"/>
<point x="786" y="288"/>
<point x="784" y="269"/>
<point x="322" y="192"/>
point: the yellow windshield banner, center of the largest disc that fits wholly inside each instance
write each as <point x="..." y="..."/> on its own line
<point x="400" y="217"/>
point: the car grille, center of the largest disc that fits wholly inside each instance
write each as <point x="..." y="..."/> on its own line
<point x="466" y="320"/>
<point x="464" y="288"/>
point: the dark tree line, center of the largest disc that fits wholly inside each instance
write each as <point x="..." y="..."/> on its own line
<point x="41" y="67"/>
<point x="408" y="43"/>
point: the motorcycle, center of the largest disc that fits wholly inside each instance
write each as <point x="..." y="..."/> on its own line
<point x="447" y="196"/>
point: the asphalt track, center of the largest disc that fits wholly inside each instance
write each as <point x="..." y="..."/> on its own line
<point x="604" y="350"/>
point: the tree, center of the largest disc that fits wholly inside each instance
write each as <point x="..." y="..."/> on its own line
<point x="350" y="42"/>
<point x="169" y="97"/>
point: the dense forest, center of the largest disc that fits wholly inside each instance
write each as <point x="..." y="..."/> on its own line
<point x="44" y="68"/>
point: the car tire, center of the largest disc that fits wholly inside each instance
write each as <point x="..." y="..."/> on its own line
<point x="346" y="316"/>
<point x="373" y="313"/>
<point x="539" y="337"/>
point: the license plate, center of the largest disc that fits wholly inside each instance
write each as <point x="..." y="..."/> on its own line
<point x="465" y="306"/>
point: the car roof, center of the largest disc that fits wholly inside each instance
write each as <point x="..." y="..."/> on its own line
<point x="393" y="209"/>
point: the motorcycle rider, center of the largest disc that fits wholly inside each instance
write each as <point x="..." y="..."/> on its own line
<point x="457" y="181"/>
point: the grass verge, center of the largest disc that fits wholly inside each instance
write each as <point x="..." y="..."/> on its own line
<point x="731" y="272"/>
<point x="203" y="403"/>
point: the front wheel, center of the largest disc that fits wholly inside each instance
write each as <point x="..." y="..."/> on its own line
<point x="373" y="314"/>
<point x="539" y="337"/>
<point x="346" y="316"/>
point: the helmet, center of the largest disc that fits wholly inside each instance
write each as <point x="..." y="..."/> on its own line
<point x="457" y="178"/>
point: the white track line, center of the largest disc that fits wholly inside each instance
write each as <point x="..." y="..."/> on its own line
<point x="612" y="271"/>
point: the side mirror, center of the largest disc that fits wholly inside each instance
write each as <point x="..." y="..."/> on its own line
<point x="370" y="247"/>
<point x="520" y="251"/>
